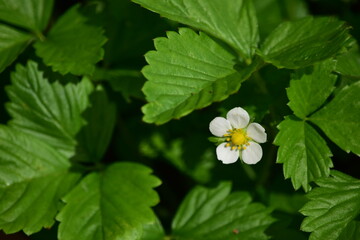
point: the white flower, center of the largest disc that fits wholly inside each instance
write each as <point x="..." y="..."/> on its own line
<point x="241" y="138"/>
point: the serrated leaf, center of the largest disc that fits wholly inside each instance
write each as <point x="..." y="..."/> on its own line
<point x="332" y="208"/>
<point x="33" y="178"/>
<point x="348" y="64"/>
<point x="304" y="153"/>
<point x="188" y="71"/>
<point x="113" y="204"/>
<point x="50" y="112"/>
<point x="232" y="21"/>
<point x="339" y="119"/>
<point x="94" y="137"/>
<point x="303" y="42"/>
<point x="215" y="214"/>
<point x="12" y="43"/>
<point x="310" y="87"/>
<point x="30" y="14"/>
<point x="72" y="46"/>
<point x="153" y="231"/>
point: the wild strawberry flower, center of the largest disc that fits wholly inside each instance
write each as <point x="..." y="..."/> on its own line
<point x="240" y="139"/>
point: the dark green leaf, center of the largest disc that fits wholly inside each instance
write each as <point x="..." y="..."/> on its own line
<point x="340" y="118"/>
<point x="113" y="204"/>
<point x="310" y="87"/>
<point x="303" y="152"/>
<point x="303" y="42"/>
<point x="348" y="64"/>
<point x="332" y="208"/>
<point x="72" y="46"/>
<point x="232" y="21"/>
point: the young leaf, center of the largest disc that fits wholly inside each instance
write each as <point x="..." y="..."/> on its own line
<point x="214" y="214"/>
<point x="188" y="71"/>
<point x="113" y="204"/>
<point x="310" y="87"/>
<point x="340" y="118"/>
<point x="332" y="208"/>
<point x="232" y="21"/>
<point x="12" y="43"/>
<point x="33" y="178"/>
<point x="50" y="112"/>
<point x="30" y="14"/>
<point x="303" y="42"/>
<point x="72" y="46"/>
<point x="304" y="153"/>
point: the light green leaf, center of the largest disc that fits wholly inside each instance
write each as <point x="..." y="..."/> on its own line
<point x="31" y="14"/>
<point x="12" y="43"/>
<point x="188" y="71"/>
<point x="310" y="87"/>
<point x="50" y="112"/>
<point x="153" y="231"/>
<point x="113" y="204"/>
<point x="232" y="21"/>
<point x="339" y="119"/>
<point x="94" y="137"/>
<point x="332" y="208"/>
<point x="303" y="42"/>
<point x="348" y="64"/>
<point x="304" y="153"/>
<point x="33" y="178"/>
<point x="72" y="46"/>
<point x="215" y="214"/>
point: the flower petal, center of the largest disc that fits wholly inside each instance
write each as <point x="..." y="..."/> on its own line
<point x="256" y="132"/>
<point x="238" y="117"/>
<point x="226" y="155"/>
<point x="252" y="154"/>
<point x="219" y="126"/>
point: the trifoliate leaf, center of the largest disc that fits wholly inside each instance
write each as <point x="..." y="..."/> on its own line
<point x="72" y="46"/>
<point x="339" y="119"/>
<point x="310" y="87"/>
<point x="215" y="214"/>
<point x="333" y="208"/>
<point x="188" y="71"/>
<point x="304" y="153"/>
<point x="33" y="178"/>
<point x="348" y="64"/>
<point x="232" y="21"/>
<point x="113" y="204"/>
<point x="31" y="14"/>
<point x="50" y="112"/>
<point x="12" y="43"/>
<point x="94" y="137"/>
<point x="303" y="42"/>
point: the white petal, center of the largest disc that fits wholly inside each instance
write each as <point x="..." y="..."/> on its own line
<point x="252" y="154"/>
<point x="226" y="155"/>
<point x="256" y="132"/>
<point x="219" y="126"/>
<point x="238" y="117"/>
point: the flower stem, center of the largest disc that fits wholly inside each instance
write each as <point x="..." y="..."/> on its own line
<point x="249" y="171"/>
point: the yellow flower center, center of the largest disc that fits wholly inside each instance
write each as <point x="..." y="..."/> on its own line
<point x="237" y="139"/>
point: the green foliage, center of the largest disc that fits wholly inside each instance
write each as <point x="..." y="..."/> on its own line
<point x="72" y="41"/>
<point x="112" y="204"/>
<point x="233" y="22"/>
<point x="303" y="42"/>
<point x="303" y="152"/>
<point x="333" y="208"/>
<point x="348" y="64"/>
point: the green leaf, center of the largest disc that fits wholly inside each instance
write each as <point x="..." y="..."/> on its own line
<point x="30" y="14"/>
<point x="94" y="137"/>
<point x="332" y="208"/>
<point x="215" y="214"/>
<point x="310" y="87"/>
<point x="188" y="71"/>
<point x="348" y="64"/>
<point x="339" y="119"/>
<point x="72" y="46"/>
<point x="304" y="153"/>
<point x="232" y="21"/>
<point x="12" y="43"/>
<point x="33" y="178"/>
<point x="153" y="231"/>
<point x="303" y="42"/>
<point x="113" y="204"/>
<point x="50" y="112"/>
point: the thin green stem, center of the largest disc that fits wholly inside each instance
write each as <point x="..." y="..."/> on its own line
<point x="40" y="36"/>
